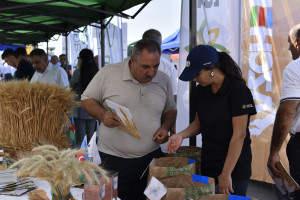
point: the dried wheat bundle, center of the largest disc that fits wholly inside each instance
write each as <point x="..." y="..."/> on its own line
<point x="59" y="167"/>
<point x="33" y="114"/>
<point x="129" y="126"/>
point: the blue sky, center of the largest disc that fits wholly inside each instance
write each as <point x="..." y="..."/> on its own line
<point x="163" y="15"/>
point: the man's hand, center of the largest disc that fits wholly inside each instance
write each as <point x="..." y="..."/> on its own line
<point x="111" y="120"/>
<point x="174" y="142"/>
<point x="161" y="136"/>
<point x="225" y="184"/>
<point x="273" y="159"/>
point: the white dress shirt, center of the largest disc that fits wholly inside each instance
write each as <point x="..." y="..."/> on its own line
<point x="53" y="74"/>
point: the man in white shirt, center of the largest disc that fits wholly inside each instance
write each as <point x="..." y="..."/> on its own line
<point x="46" y="72"/>
<point x="288" y="113"/>
<point x="165" y="65"/>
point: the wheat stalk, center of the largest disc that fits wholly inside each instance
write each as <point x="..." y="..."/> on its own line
<point x="59" y="167"/>
<point x="129" y="126"/>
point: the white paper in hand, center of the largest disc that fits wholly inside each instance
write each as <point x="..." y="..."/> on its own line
<point x="286" y="184"/>
<point x="155" y="190"/>
<point x="115" y="108"/>
<point x="126" y="117"/>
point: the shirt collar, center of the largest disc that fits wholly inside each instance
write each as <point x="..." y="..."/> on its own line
<point x="225" y="85"/>
<point x="48" y="68"/>
<point x="127" y="75"/>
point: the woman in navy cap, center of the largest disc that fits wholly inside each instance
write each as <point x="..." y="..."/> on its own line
<point x="223" y="105"/>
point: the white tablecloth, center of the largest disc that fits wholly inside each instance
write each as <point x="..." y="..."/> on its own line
<point x="76" y="192"/>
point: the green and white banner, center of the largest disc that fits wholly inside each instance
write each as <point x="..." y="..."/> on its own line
<point x="90" y="37"/>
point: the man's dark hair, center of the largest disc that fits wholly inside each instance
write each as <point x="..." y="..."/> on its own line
<point x="153" y="34"/>
<point x="151" y="45"/>
<point x="8" y="52"/>
<point x="20" y="52"/>
<point x="55" y="57"/>
<point x="62" y="55"/>
<point x="38" y="52"/>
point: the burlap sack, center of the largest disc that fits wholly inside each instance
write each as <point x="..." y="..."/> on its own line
<point x="169" y="166"/>
<point x="188" y="152"/>
<point x="182" y="187"/>
<point x="218" y="197"/>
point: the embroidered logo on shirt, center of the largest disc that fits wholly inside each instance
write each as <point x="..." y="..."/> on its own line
<point x="247" y="106"/>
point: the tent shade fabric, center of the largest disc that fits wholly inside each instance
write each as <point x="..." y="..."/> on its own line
<point x="171" y="43"/>
<point x="33" y="21"/>
<point x="14" y="47"/>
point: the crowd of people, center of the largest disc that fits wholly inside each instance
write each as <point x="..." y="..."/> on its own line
<point x="147" y="84"/>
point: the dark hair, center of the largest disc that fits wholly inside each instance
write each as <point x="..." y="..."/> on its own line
<point x="149" y="44"/>
<point x="228" y="66"/>
<point x="153" y="34"/>
<point x="8" y="52"/>
<point x="38" y="52"/>
<point x="20" y="52"/>
<point x="62" y="55"/>
<point x="88" y="68"/>
<point x="55" y="57"/>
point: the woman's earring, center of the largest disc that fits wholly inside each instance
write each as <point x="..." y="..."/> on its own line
<point x="212" y="74"/>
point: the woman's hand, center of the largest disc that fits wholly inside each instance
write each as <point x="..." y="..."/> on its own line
<point x="174" y="142"/>
<point x="225" y="184"/>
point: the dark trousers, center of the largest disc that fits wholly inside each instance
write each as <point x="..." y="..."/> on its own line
<point x="84" y="127"/>
<point x="131" y="183"/>
<point x="239" y="187"/>
<point x="293" y="154"/>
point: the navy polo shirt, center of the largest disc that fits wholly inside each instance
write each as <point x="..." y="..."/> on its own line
<point x="215" y="112"/>
<point x="25" y="70"/>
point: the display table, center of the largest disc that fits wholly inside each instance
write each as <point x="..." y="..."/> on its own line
<point x="76" y="192"/>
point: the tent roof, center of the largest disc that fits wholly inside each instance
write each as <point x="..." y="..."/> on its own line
<point x="33" y="21"/>
<point x="171" y="43"/>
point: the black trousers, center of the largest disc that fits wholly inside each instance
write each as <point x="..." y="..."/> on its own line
<point x="293" y="154"/>
<point x="131" y="183"/>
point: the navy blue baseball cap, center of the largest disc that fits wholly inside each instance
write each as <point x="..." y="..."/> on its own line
<point x="200" y="57"/>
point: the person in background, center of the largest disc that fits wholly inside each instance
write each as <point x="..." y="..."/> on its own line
<point x="147" y="93"/>
<point x="288" y="114"/>
<point x="21" y="54"/>
<point x="6" y="72"/>
<point x="54" y="60"/>
<point x="46" y="72"/>
<point x="223" y="105"/>
<point x="87" y="69"/>
<point x="64" y="64"/>
<point x="16" y="59"/>
<point x="165" y="65"/>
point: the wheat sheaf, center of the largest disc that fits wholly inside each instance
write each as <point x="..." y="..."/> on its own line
<point x="129" y="126"/>
<point x="60" y="168"/>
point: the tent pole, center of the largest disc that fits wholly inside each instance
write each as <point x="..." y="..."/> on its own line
<point x="193" y="42"/>
<point x="47" y="46"/>
<point x="66" y="40"/>
<point x="102" y="42"/>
